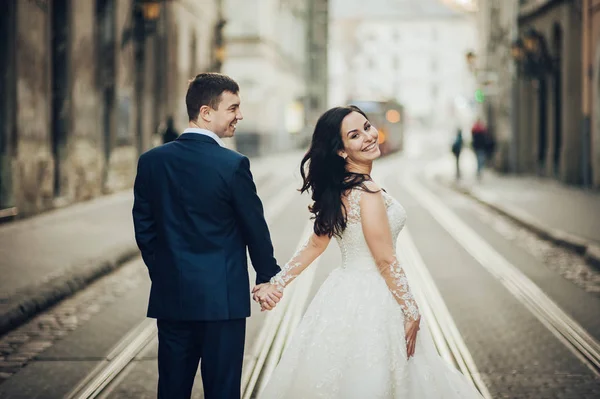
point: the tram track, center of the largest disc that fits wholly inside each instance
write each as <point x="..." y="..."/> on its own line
<point x="101" y="380"/>
<point x="439" y="322"/>
<point x="568" y="331"/>
<point x="444" y="332"/>
<point x="278" y="327"/>
<point x="280" y="323"/>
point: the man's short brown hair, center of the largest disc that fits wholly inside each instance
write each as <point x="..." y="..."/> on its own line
<point x="206" y="89"/>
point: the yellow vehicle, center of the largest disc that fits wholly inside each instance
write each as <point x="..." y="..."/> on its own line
<point x="388" y="118"/>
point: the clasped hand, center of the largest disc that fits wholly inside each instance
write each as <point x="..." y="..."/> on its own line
<point x="267" y="295"/>
<point x="411" y="327"/>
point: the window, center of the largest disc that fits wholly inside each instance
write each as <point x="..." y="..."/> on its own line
<point x="193" y="55"/>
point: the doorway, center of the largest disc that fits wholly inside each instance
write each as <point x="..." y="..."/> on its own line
<point x="557" y="43"/>
<point x="7" y="106"/>
<point x="542" y="124"/>
<point x="106" y="42"/>
<point x="60" y="88"/>
<point x="140" y="68"/>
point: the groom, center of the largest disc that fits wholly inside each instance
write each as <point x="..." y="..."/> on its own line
<point x="195" y="212"/>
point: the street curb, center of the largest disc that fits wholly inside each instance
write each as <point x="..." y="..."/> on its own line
<point x="592" y="255"/>
<point x="590" y="251"/>
<point x="32" y="300"/>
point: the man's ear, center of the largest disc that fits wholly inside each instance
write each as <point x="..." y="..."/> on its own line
<point x="205" y="113"/>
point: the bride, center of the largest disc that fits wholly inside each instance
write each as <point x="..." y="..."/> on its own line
<point x="360" y="337"/>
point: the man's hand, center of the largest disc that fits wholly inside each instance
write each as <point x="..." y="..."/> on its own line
<point x="267" y="295"/>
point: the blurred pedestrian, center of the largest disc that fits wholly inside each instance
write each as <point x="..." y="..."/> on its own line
<point x="170" y="134"/>
<point x="480" y="142"/>
<point x="456" y="150"/>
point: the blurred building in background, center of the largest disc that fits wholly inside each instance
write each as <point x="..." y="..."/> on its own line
<point x="549" y="69"/>
<point x="276" y="50"/>
<point x="408" y="51"/>
<point x="546" y="53"/>
<point x="494" y="70"/>
<point x="591" y="66"/>
<point x="194" y="44"/>
<point x="317" y="71"/>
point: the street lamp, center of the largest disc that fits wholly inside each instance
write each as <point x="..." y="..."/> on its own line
<point x="471" y="57"/>
<point x="219" y="48"/>
<point x="150" y="9"/>
<point x="517" y="51"/>
<point x="531" y="41"/>
<point x="531" y="52"/>
<point x="149" y="13"/>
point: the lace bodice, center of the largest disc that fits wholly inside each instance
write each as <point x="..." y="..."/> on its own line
<point x="355" y="251"/>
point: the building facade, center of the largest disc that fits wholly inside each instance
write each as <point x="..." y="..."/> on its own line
<point x="195" y="44"/>
<point x="495" y="74"/>
<point x="409" y="52"/>
<point x="549" y="101"/>
<point x="545" y="109"/>
<point x="592" y="70"/>
<point x="86" y="85"/>
<point x="556" y="136"/>
<point x="275" y="51"/>
<point x="317" y="68"/>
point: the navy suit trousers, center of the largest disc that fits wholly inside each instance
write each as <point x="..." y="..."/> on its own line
<point x="217" y="345"/>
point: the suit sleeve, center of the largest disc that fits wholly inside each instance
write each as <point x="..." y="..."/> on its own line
<point x="249" y="211"/>
<point x="143" y="219"/>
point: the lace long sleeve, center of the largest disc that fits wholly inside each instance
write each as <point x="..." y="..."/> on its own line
<point x="304" y="256"/>
<point x="396" y="280"/>
<point x="376" y="229"/>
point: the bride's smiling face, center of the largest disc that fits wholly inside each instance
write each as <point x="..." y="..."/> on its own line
<point x="360" y="139"/>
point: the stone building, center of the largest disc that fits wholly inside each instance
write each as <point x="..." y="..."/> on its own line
<point x="547" y="52"/>
<point x="549" y="118"/>
<point x="86" y="84"/>
<point x="276" y="50"/>
<point x="591" y="68"/>
<point x="317" y="68"/>
<point x="494" y="69"/>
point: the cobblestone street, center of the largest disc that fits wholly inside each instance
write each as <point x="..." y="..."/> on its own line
<point x="428" y="170"/>
<point x="515" y="352"/>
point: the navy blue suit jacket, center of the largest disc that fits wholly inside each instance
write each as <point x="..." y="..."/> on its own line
<point x="195" y="212"/>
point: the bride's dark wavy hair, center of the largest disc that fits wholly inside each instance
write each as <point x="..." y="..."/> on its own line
<point x="324" y="173"/>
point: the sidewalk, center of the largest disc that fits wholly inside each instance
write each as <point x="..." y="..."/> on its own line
<point x="566" y="215"/>
<point x="48" y="257"/>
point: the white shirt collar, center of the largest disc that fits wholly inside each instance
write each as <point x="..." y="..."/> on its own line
<point x="206" y="133"/>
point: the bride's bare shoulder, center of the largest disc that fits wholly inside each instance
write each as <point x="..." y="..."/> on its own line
<point x="370" y="185"/>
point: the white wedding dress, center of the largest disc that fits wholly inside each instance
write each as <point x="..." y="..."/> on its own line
<point x="350" y="343"/>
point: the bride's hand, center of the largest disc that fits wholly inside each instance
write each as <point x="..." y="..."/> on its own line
<point x="411" y="327"/>
<point x="267" y="295"/>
